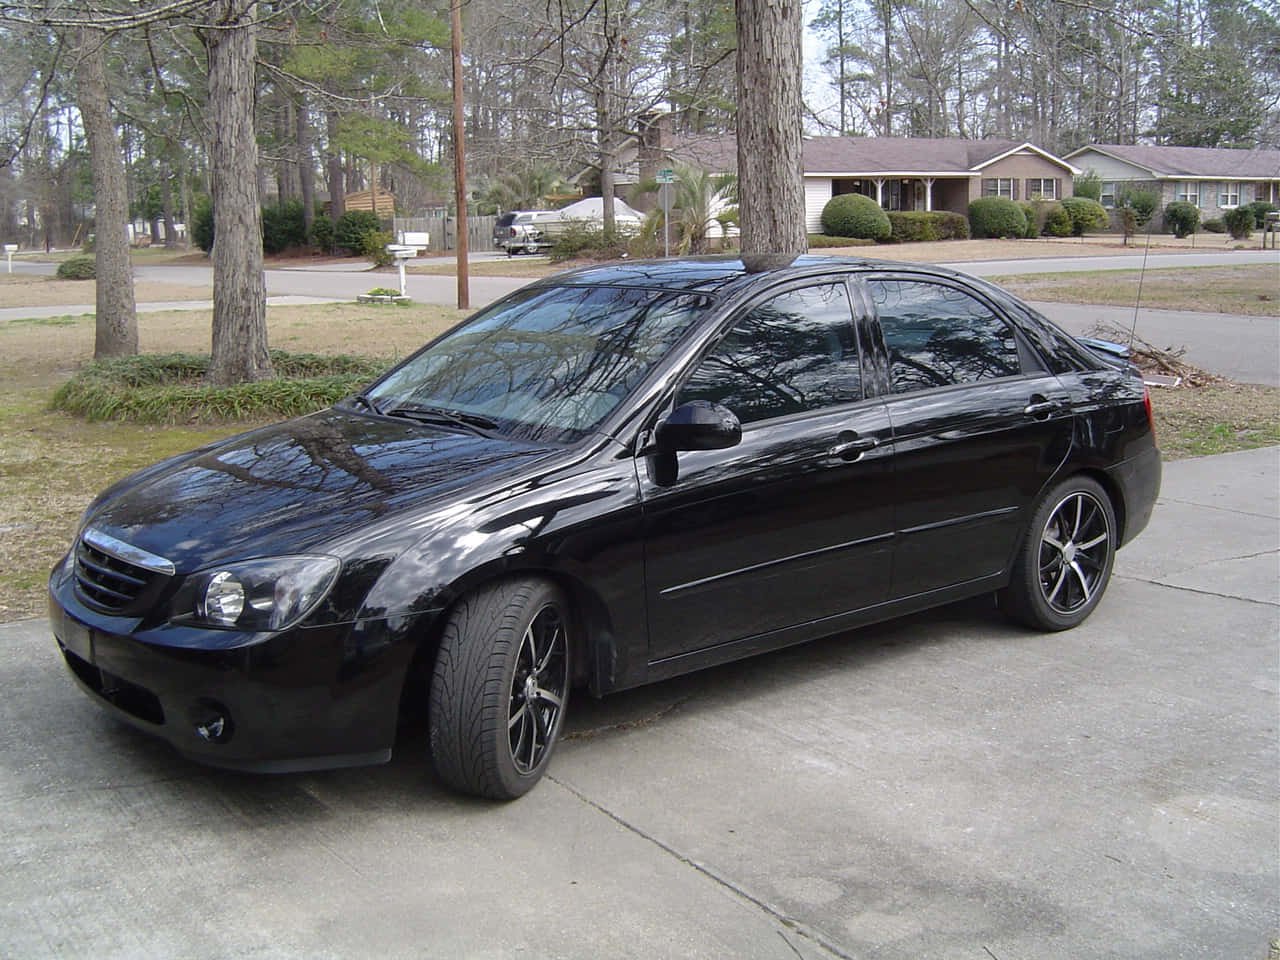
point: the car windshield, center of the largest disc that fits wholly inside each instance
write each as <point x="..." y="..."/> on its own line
<point x="546" y="365"/>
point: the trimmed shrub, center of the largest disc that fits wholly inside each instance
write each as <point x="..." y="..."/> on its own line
<point x="1260" y="210"/>
<point x="1143" y="203"/>
<point x="853" y="215"/>
<point x="1057" y="222"/>
<point x="1182" y="218"/>
<point x="202" y="224"/>
<point x="911" y="227"/>
<point x="322" y="233"/>
<point x="1086" y="214"/>
<point x="77" y="268"/>
<point x="1239" y="221"/>
<point x="351" y="227"/>
<point x="1214" y="225"/>
<point x="922" y="225"/>
<point x="996" y="217"/>
<point x="283" y="227"/>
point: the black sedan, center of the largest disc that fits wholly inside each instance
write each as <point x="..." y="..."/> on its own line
<point x="613" y="476"/>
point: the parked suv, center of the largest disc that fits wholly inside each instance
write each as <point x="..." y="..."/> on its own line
<point x="523" y="230"/>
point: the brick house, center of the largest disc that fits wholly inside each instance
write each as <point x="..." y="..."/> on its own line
<point x="1214" y="179"/>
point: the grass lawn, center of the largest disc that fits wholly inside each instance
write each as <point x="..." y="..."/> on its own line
<point x="52" y="464"/>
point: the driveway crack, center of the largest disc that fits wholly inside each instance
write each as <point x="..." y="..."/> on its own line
<point x="789" y="922"/>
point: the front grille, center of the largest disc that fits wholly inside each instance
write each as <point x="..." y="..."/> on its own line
<point x="114" y="577"/>
<point x="129" y="697"/>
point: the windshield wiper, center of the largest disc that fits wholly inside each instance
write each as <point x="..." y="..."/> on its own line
<point x="475" y="422"/>
<point x="366" y="401"/>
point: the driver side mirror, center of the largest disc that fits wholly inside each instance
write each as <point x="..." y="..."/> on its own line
<point x="699" y="425"/>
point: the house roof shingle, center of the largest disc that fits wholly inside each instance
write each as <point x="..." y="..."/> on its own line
<point x="1193" y="161"/>
<point x="865" y="155"/>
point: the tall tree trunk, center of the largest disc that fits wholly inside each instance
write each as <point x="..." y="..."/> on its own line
<point x="770" y="161"/>
<point x="116" y="325"/>
<point x="306" y="164"/>
<point x="239" y="287"/>
<point x="337" y="192"/>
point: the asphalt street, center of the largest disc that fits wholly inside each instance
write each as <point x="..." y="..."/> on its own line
<point x="947" y="786"/>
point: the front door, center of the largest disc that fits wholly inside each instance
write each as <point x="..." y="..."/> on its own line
<point x="793" y="525"/>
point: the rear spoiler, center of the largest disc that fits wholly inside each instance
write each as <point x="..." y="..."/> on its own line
<point x="1107" y="347"/>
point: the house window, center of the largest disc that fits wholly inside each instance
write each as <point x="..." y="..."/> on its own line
<point x="1229" y="195"/>
<point x="999" y="187"/>
<point x="1045" y="189"/>
<point x="1189" y="191"/>
<point x="1109" y="190"/>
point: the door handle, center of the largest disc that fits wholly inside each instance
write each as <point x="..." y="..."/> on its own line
<point x="1042" y="406"/>
<point x="853" y="448"/>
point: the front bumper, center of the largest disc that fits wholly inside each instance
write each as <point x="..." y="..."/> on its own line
<point x="303" y="699"/>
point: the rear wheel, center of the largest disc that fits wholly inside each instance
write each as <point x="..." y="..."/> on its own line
<point x="499" y="689"/>
<point x="1064" y="565"/>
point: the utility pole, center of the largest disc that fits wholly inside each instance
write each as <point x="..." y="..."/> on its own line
<point x="463" y="268"/>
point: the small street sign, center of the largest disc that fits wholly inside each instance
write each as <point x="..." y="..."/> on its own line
<point x="667" y="176"/>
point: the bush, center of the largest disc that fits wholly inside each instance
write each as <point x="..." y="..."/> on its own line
<point x="587" y="238"/>
<point x="1086" y="214"/>
<point x="996" y="217"/>
<point x="1057" y="222"/>
<point x="1239" y="221"/>
<point x="923" y="225"/>
<point x="1260" y="210"/>
<point x="322" y="234"/>
<point x="1088" y="185"/>
<point x="1035" y="220"/>
<point x="373" y="246"/>
<point x="202" y="224"/>
<point x="1214" y="225"/>
<point x="1182" y="218"/>
<point x="1143" y="203"/>
<point x="351" y="227"/>
<point x="283" y="227"/>
<point x="853" y="215"/>
<point x="77" y="268"/>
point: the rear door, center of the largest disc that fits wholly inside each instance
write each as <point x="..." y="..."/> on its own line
<point x="793" y="525"/>
<point x="979" y="427"/>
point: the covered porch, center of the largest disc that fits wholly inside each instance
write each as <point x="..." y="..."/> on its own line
<point x="909" y="193"/>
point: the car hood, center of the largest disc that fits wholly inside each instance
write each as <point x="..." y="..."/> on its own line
<point x="294" y="486"/>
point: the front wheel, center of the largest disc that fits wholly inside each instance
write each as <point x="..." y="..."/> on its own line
<point x="499" y="689"/>
<point x="1064" y="564"/>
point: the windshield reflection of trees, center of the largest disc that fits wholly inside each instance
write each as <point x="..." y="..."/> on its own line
<point x="797" y="352"/>
<point x="937" y="335"/>
<point x="550" y="366"/>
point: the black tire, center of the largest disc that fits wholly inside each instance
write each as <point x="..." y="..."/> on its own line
<point x="1064" y="564"/>
<point x="500" y="688"/>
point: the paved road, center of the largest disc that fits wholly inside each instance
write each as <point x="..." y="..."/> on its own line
<point x="948" y="786"/>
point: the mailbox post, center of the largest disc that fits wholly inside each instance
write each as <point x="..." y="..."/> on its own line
<point x="9" y="250"/>
<point x="402" y="252"/>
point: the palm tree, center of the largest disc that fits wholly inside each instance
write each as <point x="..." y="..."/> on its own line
<point x="700" y="198"/>
<point x="524" y="189"/>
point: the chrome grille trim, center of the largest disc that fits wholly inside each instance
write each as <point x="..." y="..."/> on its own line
<point x="128" y="552"/>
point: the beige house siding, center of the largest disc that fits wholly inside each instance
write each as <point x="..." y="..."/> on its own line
<point x="1019" y="169"/>
<point x="817" y="191"/>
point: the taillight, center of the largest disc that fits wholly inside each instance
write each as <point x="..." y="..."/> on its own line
<point x="1146" y="402"/>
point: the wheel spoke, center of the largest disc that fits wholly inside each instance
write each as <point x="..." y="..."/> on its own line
<point x="1084" y="582"/>
<point x="549" y="697"/>
<point x="1062" y="577"/>
<point x="1090" y="544"/>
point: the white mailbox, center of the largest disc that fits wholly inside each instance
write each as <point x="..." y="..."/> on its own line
<point x="402" y="252"/>
<point x="9" y="250"/>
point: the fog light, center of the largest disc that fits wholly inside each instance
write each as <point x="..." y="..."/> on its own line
<point x="212" y="721"/>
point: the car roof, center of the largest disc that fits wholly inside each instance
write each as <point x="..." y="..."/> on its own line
<point x="721" y="275"/>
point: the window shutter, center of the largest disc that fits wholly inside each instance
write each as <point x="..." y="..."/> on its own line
<point x="1057" y="188"/>
<point x="1015" y="188"/>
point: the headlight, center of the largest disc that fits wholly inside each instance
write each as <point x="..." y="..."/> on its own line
<point x="271" y="594"/>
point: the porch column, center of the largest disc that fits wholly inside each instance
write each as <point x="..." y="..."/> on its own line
<point x="928" y="193"/>
<point x="880" y="191"/>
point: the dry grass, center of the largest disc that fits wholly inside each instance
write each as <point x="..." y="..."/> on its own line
<point x="1220" y="418"/>
<point x="1244" y="290"/>
<point x="26" y="290"/>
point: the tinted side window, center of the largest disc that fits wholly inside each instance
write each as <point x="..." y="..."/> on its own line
<point x="937" y="335"/>
<point x="793" y="353"/>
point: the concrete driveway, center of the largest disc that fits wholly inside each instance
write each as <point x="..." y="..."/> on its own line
<point x="948" y="786"/>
